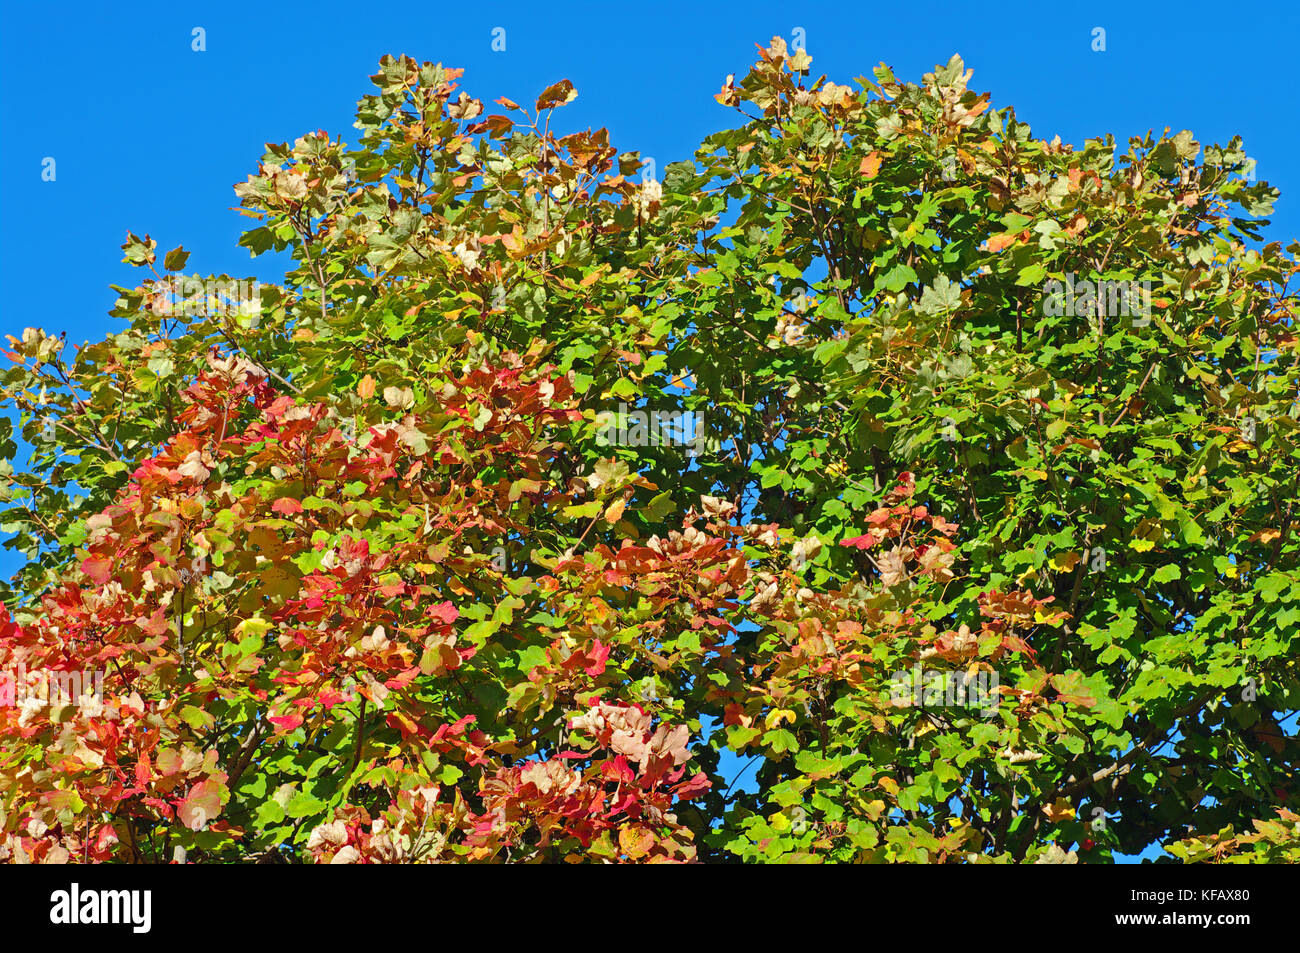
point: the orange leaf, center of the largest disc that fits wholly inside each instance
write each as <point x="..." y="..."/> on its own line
<point x="614" y="511"/>
<point x="1005" y="240"/>
<point x="635" y="841"/>
<point x="366" y="387"/>
<point x="870" y="165"/>
<point x="1060" y="810"/>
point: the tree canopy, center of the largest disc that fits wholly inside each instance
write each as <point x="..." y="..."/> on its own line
<point x="939" y="477"/>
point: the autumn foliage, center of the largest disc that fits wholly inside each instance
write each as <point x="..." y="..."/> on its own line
<point x="365" y="586"/>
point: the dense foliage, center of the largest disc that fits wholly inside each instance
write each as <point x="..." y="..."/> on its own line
<point x="375" y="568"/>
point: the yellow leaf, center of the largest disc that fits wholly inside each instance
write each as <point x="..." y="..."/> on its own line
<point x="775" y="717"/>
<point x="615" y="510"/>
<point x="1146" y="535"/>
<point x="1064" y="562"/>
<point x="635" y="841"/>
<point x="254" y="626"/>
<point x="1059" y="811"/>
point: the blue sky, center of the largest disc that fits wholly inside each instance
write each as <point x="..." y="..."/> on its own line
<point x="149" y="135"/>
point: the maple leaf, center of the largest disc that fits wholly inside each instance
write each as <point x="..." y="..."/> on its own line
<point x="865" y="541"/>
<point x="893" y="569"/>
<point x="98" y="568"/>
<point x="192" y="467"/>
<point x="636" y="842"/>
<point x="202" y="804"/>
<point x="556" y="95"/>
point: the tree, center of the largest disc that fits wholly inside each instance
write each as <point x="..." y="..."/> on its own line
<point x="943" y="474"/>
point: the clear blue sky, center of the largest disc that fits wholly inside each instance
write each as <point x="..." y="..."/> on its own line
<point x="149" y="135"/>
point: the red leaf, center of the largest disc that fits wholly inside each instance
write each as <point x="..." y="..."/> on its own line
<point x="598" y="654"/>
<point x="444" y="612"/>
<point x="98" y="568"/>
<point x="865" y="541"/>
<point x="286" y="723"/>
<point x="202" y="805"/>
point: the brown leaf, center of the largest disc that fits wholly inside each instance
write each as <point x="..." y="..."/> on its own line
<point x="556" y="95"/>
<point x="892" y="568"/>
